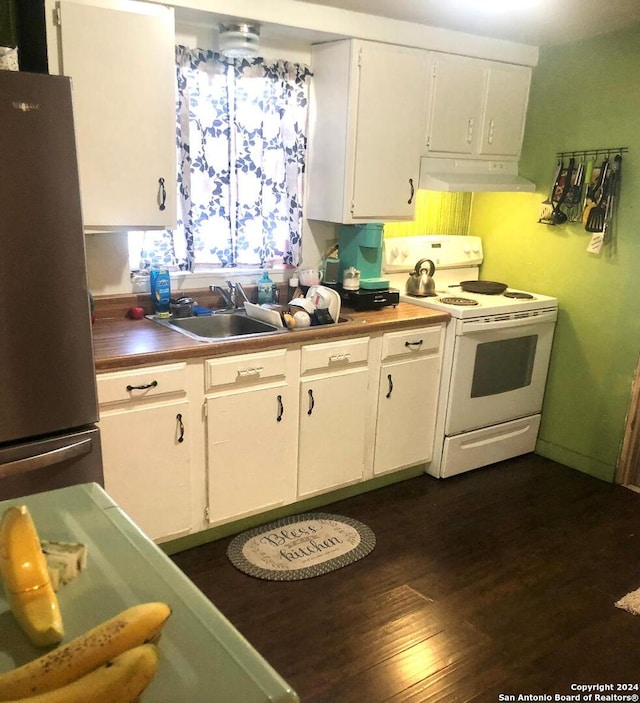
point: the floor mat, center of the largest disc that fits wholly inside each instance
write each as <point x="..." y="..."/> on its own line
<point x="300" y="547"/>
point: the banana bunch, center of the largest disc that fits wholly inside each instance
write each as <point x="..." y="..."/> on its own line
<point x="113" y="662"/>
<point x="27" y="584"/>
<point x="121" y="680"/>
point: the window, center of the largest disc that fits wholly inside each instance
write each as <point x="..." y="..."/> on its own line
<point x="241" y="141"/>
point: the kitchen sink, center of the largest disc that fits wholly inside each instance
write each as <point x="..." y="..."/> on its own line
<point x="215" y="327"/>
<point x="224" y="325"/>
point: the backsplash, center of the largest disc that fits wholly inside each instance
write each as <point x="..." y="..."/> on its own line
<point x="118" y="306"/>
<point x="436" y="213"/>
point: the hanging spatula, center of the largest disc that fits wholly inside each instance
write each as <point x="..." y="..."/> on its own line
<point x="612" y="186"/>
<point x="598" y="213"/>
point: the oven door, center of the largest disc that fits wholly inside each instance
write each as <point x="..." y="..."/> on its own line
<point x="499" y="371"/>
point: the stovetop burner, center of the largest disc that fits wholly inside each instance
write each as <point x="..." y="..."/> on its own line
<point x="519" y="295"/>
<point x="458" y="301"/>
<point x="458" y="260"/>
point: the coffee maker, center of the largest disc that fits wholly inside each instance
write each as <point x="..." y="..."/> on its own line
<point x="360" y="247"/>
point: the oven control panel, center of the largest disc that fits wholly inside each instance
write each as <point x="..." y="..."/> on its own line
<point x="446" y="251"/>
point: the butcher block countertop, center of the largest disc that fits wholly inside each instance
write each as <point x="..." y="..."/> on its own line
<point x="120" y="342"/>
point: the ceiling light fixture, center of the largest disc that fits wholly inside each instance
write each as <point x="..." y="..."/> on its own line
<point x="240" y="40"/>
<point x="493" y="7"/>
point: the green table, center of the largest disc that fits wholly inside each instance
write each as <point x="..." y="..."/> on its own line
<point x="202" y="656"/>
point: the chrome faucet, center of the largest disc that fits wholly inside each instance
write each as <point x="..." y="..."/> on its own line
<point x="238" y="289"/>
<point x="226" y="295"/>
<point x="234" y="295"/>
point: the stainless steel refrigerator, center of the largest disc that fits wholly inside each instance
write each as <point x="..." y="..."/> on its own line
<point x="48" y="403"/>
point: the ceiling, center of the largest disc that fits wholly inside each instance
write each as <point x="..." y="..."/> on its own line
<point x="548" y="22"/>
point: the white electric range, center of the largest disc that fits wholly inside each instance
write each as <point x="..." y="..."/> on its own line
<point x="495" y="358"/>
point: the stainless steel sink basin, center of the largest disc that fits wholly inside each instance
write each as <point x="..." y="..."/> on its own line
<point x="220" y="326"/>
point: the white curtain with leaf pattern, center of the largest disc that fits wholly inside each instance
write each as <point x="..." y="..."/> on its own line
<point x="241" y="140"/>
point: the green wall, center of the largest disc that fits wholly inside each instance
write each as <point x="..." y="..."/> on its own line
<point x="585" y="95"/>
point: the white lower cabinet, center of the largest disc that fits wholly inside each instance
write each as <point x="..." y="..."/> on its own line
<point x="407" y="398"/>
<point x="146" y="434"/>
<point x="333" y="415"/>
<point x="190" y="445"/>
<point x="251" y="433"/>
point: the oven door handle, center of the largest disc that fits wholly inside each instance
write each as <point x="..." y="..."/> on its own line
<point x="469" y="326"/>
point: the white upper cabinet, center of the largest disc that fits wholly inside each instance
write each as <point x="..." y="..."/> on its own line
<point x="367" y="131"/>
<point x="477" y="108"/>
<point x="505" y="110"/>
<point x="122" y="65"/>
<point x="457" y="87"/>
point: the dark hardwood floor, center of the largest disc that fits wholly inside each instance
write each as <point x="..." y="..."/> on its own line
<point x="498" y="581"/>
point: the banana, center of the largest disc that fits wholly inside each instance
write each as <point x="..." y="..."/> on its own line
<point x="23" y="568"/>
<point x="59" y="667"/>
<point x="120" y="680"/>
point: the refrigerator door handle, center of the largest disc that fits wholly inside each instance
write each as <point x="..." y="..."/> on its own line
<point x="43" y="461"/>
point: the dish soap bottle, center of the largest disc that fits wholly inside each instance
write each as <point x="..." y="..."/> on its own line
<point x="160" y="286"/>
<point x="266" y="289"/>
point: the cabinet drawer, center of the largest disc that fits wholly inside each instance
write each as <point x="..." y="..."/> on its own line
<point x="334" y="355"/>
<point x="141" y="383"/>
<point x="424" y="340"/>
<point x="245" y="368"/>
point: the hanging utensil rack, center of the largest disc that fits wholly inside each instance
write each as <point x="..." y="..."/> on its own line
<point x="572" y="198"/>
<point x="592" y="152"/>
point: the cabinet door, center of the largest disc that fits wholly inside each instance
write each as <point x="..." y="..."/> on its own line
<point x="147" y="468"/>
<point x="251" y="441"/>
<point x="333" y="414"/>
<point x="122" y="66"/>
<point x="406" y="413"/>
<point x="457" y="89"/>
<point x="505" y="111"/>
<point x="390" y="127"/>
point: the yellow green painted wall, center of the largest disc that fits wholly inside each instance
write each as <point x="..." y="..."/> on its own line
<point x="436" y="213"/>
<point x="584" y="95"/>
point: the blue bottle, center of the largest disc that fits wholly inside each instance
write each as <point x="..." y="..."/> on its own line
<point x="160" y="286"/>
<point x="266" y="289"/>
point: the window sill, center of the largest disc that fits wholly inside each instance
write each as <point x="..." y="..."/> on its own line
<point x="187" y="280"/>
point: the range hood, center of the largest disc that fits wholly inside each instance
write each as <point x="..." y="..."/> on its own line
<point x="472" y="175"/>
